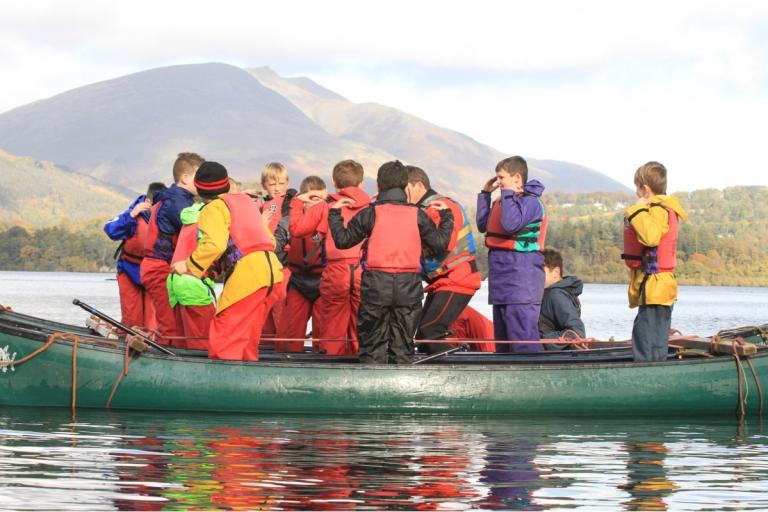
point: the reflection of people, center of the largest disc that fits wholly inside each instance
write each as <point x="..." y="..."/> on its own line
<point x="650" y="244"/>
<point x="647" y="481"/>
<point x="560" y="307"/>
<point x="511" y="475"/>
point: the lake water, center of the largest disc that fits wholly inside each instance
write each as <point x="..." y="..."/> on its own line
<point x="99" y="460"/>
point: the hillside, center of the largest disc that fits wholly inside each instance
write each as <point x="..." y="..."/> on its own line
<point x="37" y="194"/>
<point x="127" y="131"/>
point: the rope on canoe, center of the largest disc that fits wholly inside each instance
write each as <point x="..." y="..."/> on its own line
<point x="127" y="358"/>
<point x="66" y="336"/>
<point x="740" y="369"/>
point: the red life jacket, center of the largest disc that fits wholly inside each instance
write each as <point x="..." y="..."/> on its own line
<point x="461" y="247"/>
<point x="306" y="255"/>
<point x="151" y="250"/>
<point x="186" y="244"/>
<point x="275" y="205"/>
<point x="133" y="248"/>
<point x="651" y="259"/>
<point x="529" y="239"/>
<point x="395" y="243"/>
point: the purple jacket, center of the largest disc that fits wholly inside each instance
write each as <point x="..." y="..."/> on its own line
<point x="514" y="277"/>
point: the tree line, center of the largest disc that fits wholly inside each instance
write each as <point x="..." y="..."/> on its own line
<point x="720" y="245"/>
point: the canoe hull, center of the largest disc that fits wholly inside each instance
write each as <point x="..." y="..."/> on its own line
<point x="156" y="382"/>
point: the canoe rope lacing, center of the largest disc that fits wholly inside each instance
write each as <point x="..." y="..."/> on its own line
<point x="66" y="336"/>
<point x="742" y="378"/>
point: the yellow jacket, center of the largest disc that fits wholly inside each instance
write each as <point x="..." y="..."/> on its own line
<point x="650" y="225"/>
<point x="251" y="273"/>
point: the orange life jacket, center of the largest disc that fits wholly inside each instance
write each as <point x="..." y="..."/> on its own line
<point x="155" y="238"/>
<point x="186" y="243"/>
<point x="461" y="248"/>
<point x="651" y="260"/>
<point x="395" y="243"/>
<point x="132" y="249"/>
<point x="247" y="233"/>
<point x="530" y="238"/>
<point x="306" y="255"/>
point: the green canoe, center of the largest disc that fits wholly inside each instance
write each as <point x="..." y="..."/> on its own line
<point x="598" y="382"/>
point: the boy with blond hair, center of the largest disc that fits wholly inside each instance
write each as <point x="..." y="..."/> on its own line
<point x="334" y="318"/>
<point x="164" y="227"/>
<point x="650" y="249"/>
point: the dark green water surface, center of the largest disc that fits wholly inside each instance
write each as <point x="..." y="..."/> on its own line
<point x="161" y="461"/>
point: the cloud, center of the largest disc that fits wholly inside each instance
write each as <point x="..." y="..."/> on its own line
<point x="604" y="84"/>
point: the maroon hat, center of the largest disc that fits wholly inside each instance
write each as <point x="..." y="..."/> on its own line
<point x="211" y="179"/>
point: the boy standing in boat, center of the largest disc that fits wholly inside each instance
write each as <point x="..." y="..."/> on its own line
<point x="237" y="240"/>
<point x="306" y="261"/>
<point x="164" y="227"/>
<point x="650" y="247"/>
<point x="560" y="307"/>
<point x="515" y="226"/>
<point x="335" y="311"/>
<point x="132" y="227"/>
<point x="395" y="233"/>
<point x="453" y="279"/>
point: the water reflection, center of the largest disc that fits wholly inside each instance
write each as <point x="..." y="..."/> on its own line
<point x="142" y="461"/>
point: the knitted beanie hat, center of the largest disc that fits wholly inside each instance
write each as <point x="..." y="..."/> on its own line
<point x="211" y="180"/>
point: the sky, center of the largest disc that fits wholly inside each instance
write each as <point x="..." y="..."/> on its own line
<point x="604" y="84"/>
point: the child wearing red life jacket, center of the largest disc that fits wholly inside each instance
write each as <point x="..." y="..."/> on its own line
<point x="515" y="225"/>
<point x="650" y="245"/>
<point x="395" y="234"/>
<point x="334" y="315"/>
<point x="239" y="244"/>
<point x="191" y="297"/>
<point x="132" y="227"/>
<point x="453" y="279"/>
<point x="164" y="227"/>
<point x="306" y="260"/>
<point x="275" y="181"/>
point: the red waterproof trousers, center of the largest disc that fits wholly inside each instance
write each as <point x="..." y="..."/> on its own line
<point x="471" y="324"/>
<point x="154" y="273"/>
<point x="235" y="332"/>
<point x="135" y="306"/>
<point x="275" y="306"/>
<point x="335" y="312"/>
<point x="293" y="322"/>
<point x="196" y="321"/>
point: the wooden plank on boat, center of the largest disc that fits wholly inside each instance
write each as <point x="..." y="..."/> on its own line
<point x="716" y="347"/>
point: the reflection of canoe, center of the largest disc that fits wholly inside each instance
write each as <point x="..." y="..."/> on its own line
<point x="593" y="382"/>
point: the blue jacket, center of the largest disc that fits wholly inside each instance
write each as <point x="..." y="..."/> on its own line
<point x="123" y="227"/>
<point x="168" y="219"/>
<point x="514" y="277"/>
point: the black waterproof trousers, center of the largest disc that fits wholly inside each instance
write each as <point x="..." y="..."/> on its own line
<point x="440" y="310"/>
<point x="650" y="333"/>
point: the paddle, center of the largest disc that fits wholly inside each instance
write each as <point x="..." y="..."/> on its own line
<point x="109" y="319"/>
<point x="462" y="347"/>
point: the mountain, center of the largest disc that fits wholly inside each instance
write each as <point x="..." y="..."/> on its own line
<point x="36" y="193"/>
<point x="127" y="131"/>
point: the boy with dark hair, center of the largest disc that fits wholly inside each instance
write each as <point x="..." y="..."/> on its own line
<point x="560" y="307"/>
<point x="243" y="250"/>
<point x="132" y="227"/>
<point x="334" y="318"/>
<point x="515" y="226"/>
<point x="164" y="227"/>
<point x="395" y="234"/>
<point x="452" y="279"/>
<point x="306" y="261"/>
<point x="650" y="249"/>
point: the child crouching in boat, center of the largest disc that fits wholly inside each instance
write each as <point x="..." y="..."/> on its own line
<point x="243" y="250"/>
<point x="650" y="249"/>
<point x="560" y="307"/>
